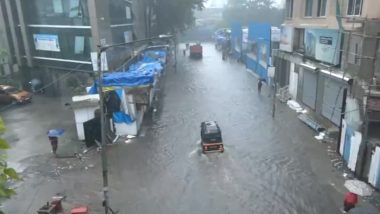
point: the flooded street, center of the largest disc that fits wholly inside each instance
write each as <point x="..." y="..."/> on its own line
<point x="269" y="165"/>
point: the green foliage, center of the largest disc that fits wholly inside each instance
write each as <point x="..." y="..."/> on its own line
<point x="246" y="11"/>
<point x="174" y="15"/>
<point x="7" y="174"/>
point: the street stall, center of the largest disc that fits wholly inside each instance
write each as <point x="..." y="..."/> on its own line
<point x="130" y="94"/>
<point x="84" y="110"/>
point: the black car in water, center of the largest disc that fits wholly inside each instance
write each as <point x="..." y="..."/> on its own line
<point x="211" y="137"/>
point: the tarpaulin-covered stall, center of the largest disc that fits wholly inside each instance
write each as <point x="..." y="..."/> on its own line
<point x="129" y="106"/>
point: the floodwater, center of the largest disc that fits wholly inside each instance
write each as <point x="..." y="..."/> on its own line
<point x="266" y="167"/>
<point x="269" y="165"/>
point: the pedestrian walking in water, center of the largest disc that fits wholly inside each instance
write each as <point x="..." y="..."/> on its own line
<point x="350" y="201"/>
<point x="54" y="144"/>
<point x="259" y="85"/>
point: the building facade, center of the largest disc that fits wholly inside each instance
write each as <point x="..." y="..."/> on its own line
<point x="50" y="38"/>
<point x="329" y="47"/>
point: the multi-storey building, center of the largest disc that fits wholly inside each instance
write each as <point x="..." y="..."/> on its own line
<point x="328" y="47"/>
<point x="48" y="38"/>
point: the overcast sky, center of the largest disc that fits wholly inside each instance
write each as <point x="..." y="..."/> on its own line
<point x="221" y="3"/>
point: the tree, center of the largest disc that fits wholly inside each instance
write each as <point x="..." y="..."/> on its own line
<point x="170" y="16"/>
<point x="246" y="11"/>
<point x="7" y="174"/>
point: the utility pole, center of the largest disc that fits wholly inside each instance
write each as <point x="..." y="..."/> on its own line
<point x="103" y="123"/>
<point x="102" y="130"/>
<point x="342" y="115"/>
<point x="276" y="68"/>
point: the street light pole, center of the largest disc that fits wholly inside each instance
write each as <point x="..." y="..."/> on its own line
<point x="103" y="123"/>
<point x="102" y="131"/>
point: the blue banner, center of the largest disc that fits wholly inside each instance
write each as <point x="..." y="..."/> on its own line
<point x="259" y="49"/>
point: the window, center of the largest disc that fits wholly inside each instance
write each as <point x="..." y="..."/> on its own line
<point x="321" y="8"/>
<point x="75" y="9"/>
<point x="57" y="6"/>
<point x="61" y="43"/>
<point x="308" y="8"/>
<point x="128" y="36"/>
<point x="79" y="44"/>
<point x="120" y="12"/>
<point x="57" y="12"/>
<point x="128" y="12"/>
<point x="289" y="8"/>
<point x="354" y="7"/>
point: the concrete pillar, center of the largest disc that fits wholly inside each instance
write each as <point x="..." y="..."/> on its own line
<point x="5" y="37"/>
<point x="139" y="20"/>
<point x="100" y="23"/>
<point x="12" y="27"/>
<point x="24" y="33"/>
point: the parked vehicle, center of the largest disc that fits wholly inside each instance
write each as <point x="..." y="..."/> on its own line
<point x="196" y="51"/>
<point x="5" y="99"/>
<point x="211" y="137"/>
<point x="16" y="95"/>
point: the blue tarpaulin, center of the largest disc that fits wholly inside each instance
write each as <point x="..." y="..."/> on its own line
<point x="121" y="117"/>
<point x="140" y="73"/>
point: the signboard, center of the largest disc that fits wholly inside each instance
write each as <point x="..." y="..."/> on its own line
<point x="46" y="42"/>
<point x="94" y="61"/>
<point x="103" y="59"/>
<point x="323" y="45"/>
<point x="286" y="39"/>
<point x="275" y="34"/>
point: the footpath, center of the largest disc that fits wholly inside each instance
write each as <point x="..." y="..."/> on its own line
<point x="336" y="173"/>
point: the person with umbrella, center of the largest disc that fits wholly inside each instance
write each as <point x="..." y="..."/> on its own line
<point x="53" y="135"/>
<point x="350" y="201"/>
<point x="355" y="188"/>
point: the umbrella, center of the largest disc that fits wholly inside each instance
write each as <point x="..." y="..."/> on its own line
<point x="358" y="187"/>
<point x="55" y="132"/>
<point x="360" y="210"/>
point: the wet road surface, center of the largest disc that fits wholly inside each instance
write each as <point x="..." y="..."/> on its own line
<point x="266" y="167"/>
<point x="269" y="165"/>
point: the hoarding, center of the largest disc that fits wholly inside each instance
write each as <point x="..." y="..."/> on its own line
<point x="323" y="45"/>
<point x="259" y="44"/>
<point x="46" y="42"/>
<point x="286" y="40"/>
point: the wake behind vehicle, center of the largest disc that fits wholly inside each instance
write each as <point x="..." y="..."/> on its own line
<point x="196" y="51"/>
<point x="211" y="137"/>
